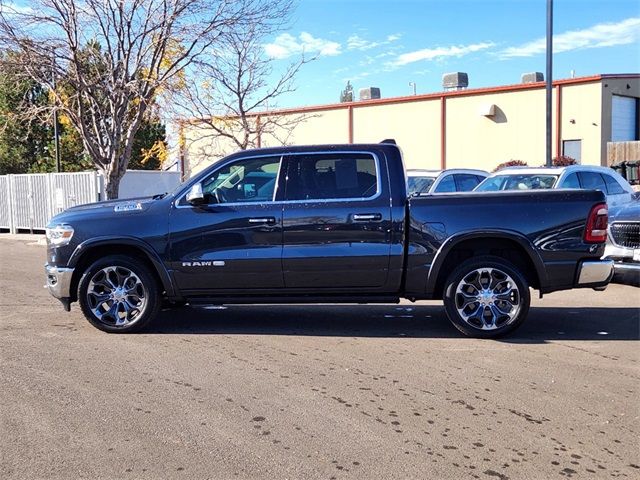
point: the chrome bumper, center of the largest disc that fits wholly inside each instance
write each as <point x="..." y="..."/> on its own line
<point x="596" y="272"/>
<point x="59" y="280"/>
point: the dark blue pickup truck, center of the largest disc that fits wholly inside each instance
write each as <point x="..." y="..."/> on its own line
<point x="325" y="224"/>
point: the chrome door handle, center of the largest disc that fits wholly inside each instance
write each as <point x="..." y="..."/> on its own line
<point x="367" y="217"/>
<point x="262" y="220"/>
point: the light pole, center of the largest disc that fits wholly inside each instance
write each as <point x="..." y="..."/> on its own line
<point x="413" y="86"/>
<point x="56" y="133"/>
<point x="549" y="77"/>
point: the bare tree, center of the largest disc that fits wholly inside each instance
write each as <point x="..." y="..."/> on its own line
<point x="228" y="97"/>
<point x="115" y="57"/>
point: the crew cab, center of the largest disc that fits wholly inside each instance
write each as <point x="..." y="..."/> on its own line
<point x="325" y="224"/>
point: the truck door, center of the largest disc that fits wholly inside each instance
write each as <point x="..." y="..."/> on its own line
<point x="234" y="240"/>
<point x="336" y="222"/>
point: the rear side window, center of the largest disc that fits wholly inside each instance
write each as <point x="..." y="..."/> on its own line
<point x="329" y="177"/>
<point x="592" y="181"/>
<point x="447" y="184"/>
<point x="571" y="181"/>
<point x="467" y="182"/>
<point x="613" y="187"/>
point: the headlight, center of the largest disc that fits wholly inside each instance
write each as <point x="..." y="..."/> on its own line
<point x="59" y="235"/>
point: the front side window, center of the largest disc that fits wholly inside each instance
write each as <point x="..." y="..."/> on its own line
<point x="328" y="177"/>
<point x="447" y="184"/>
<point x="571" y="181"/>
<point x="248" y="180"/>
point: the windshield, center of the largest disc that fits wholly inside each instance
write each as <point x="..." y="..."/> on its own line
<point x="525" y="181"/>
<point x="418" y="185"/>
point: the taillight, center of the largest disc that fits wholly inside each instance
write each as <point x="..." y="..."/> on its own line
<point x="596" y="231"/>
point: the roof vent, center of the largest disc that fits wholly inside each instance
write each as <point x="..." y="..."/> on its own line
<point x="455" y="81"/>
<point x="369" y="93"/>
<point x="532" y="77"/>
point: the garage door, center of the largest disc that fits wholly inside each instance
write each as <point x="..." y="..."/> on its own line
<point x="624" y="116"/>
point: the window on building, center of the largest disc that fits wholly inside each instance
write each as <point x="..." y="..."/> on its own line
<point x="313" y="177"/>
<point x="573" y="149"/>
<point x="624" y="119"/>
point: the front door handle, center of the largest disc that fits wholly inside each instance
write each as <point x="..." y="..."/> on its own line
<point x="267" y="220"/>
<point x="367" y="217"/>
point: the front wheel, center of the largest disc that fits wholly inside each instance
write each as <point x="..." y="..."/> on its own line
<point x="118" y="294"/>
<point x="486" y="297"/>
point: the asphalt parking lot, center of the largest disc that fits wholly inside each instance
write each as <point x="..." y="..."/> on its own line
<point x="316" y="392"/>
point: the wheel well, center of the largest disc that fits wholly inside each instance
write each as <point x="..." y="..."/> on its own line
<point x="500" y="247"/>
<point x="100" y="251"/>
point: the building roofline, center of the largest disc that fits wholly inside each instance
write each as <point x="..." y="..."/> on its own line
<point x="437" y="95"/>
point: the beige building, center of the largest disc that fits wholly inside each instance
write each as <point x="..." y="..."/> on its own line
<point x="468" y="128"/>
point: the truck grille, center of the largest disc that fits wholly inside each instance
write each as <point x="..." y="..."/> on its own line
<point x="626" y="234"/>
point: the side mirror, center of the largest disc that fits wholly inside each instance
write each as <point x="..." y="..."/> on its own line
<point x="195" y="195"/>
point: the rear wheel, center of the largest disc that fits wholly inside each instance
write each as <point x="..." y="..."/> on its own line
<point x="118" y="294"/>
<point x="486" y="297"/>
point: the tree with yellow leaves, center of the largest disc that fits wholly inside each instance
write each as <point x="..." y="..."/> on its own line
<point x="112" y="58"/>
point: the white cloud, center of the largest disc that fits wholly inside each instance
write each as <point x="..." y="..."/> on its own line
<point x="439" y="53"/>
<point x="286" y="45"/>
<point x="356" y="42"/>
<point x="600" y="35"/>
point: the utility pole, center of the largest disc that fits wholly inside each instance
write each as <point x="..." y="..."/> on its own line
<point x="549" y="77"/>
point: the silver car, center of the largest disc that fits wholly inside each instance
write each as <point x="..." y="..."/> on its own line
<point x="421" y="182"/>
<point x="587" y="177"/>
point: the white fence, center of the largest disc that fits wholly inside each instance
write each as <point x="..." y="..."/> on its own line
<point x="27" y="202"/>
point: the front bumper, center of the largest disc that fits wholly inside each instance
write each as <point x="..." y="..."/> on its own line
<point x="595" y="273"/>
<point x="59" y="281"/>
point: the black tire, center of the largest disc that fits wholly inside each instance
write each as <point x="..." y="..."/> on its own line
<point x="118" y="294"/>
<point x="492" y="311"/>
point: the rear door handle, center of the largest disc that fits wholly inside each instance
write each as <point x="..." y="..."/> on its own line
<point x="367" y="217"/>
<point x="268" y="220"/>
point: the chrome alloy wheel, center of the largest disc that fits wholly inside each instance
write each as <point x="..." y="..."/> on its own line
<point x="116" y="296"/>
<point x="487" y="299"/>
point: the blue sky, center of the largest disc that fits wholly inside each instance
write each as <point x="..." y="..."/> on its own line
<point x="389" y="43"/>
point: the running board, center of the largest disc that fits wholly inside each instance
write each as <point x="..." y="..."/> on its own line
<point x="271" y="300"/>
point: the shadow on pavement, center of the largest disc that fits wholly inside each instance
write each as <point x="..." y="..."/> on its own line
<point x="409" y="321"/>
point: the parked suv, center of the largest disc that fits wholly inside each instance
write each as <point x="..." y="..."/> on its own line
<point x="623" y="245"/>
<point x="443" y="181"/>
<point x="616" y="188"/>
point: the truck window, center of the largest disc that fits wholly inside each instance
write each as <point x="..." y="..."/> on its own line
<point x="332" y="176"/>
<point x="247" y="180"/>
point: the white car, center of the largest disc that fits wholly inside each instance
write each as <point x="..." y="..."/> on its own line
<point x="615" y="187"/>
<point x="443" y="181"/>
